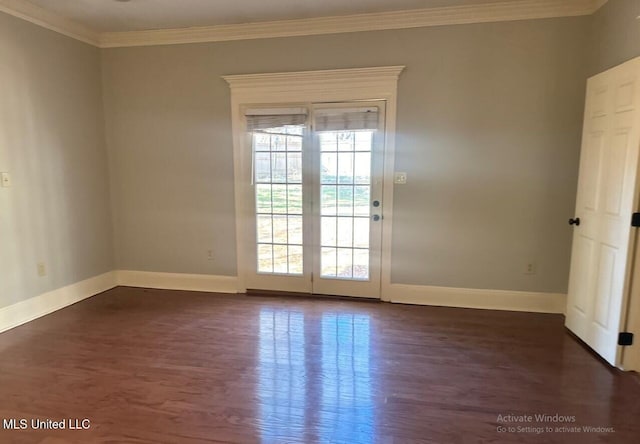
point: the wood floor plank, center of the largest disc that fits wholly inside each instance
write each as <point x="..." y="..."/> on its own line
<point x="156" y="366"/>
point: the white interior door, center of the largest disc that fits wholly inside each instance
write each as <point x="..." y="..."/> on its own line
<point x="607" y="196"/>
<point x="316" y="198"/>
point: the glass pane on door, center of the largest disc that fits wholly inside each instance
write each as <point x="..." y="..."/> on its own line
<point x="277" y="164"/>
<point x="345" y="194"/>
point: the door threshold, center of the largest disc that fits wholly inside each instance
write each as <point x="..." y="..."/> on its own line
<point x="294" y="294"/>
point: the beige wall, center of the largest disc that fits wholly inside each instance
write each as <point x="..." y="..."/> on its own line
<point x="52" y="142"/>
<point x="615" y="34"/>
<point x="489" y="119"/>
<point x="489" y="124"/>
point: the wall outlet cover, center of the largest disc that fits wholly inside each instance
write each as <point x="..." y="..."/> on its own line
<point x="400" y="178"/>
<point x="5" y="180"/>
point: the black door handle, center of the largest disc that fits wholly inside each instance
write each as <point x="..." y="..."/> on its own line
<point x="575" y="221"/>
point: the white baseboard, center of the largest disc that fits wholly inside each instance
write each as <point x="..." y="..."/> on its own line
<point x="177" y="281"/>
<point x="398" y="293"/>
<point x="33" y="308"/>
<point x="38" y="306"/>
<point x="476" y="298"/>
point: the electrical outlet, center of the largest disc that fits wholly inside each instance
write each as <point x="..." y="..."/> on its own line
<point x="530" y="268"/>
<point x="5" y="180"/>
<point x="400" y="178"/>
<point x="42" y="269"/>
<point x="209" y="255"/>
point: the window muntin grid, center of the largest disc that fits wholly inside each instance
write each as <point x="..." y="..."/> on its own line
<point x="278" y="195"/>
<point x="345" y="194"/>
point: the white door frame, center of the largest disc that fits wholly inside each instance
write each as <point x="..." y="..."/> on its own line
<point x="337" y="85"/>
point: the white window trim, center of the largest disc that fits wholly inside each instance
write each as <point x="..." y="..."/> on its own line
<point x="336" y="85"/>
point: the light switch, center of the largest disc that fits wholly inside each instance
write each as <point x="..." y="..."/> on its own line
<point x="400" y="178"/>
<point x="5" y="180"/>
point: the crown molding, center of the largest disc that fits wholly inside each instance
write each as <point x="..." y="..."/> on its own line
<point x="41" y="17"/>
<point x="454" y="15"/>
<point x="600" y="4"/>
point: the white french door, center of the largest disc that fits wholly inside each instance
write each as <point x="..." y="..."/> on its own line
<point x="316" y="191"/>
<point x="607" y="195"/>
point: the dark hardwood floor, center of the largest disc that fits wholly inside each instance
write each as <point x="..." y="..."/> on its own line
<point x="152" y="366"/>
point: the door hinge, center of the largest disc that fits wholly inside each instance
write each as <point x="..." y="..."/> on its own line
<point x="625" y="338"/>
<point x="635" y="220"/>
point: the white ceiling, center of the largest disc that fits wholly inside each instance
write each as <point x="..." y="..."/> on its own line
<point x="136" y="15"/>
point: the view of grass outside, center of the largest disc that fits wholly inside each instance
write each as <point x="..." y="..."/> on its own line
<point x="278" y="192"/>
<point x="344" y="202"/>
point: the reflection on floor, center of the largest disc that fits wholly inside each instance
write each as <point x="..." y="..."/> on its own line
<point x="153" y="366"/>
<point x="282" y="375"/>
<point x="344" y="406"/>
<point x="346" y="355"/>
